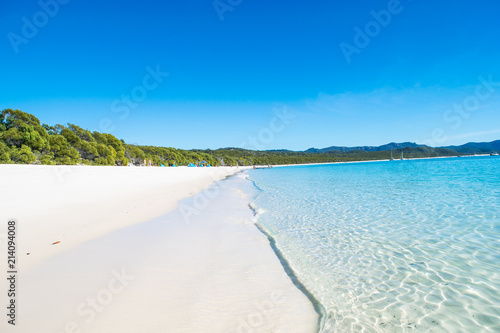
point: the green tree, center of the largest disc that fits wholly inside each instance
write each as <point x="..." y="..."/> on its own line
<point x="22" y="155"/>
<point x="4" y="154"/>
<point x="47" y="159"/>
<point x="22" y="128"/>
<point x="62" y="150"/>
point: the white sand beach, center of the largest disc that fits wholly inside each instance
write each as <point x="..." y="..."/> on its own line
<point x="74" y="204"/>
<point x="131" y="259"/>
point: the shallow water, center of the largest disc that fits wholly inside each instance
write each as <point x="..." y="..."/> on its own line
<point x="402" y="246"/>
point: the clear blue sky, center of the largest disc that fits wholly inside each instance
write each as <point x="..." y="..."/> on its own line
<point x="227" y="78"/>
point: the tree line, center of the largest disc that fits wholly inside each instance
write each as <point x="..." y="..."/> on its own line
<point x="25" y="140"/>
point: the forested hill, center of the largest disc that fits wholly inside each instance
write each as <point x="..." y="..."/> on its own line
<point x="477" y="147"/>
<point x="468" y="148"/>
<point x="23" y="139"/>
<point x="388" y="146"/>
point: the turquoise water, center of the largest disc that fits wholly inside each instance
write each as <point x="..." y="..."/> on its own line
<point x="402" y="246"/>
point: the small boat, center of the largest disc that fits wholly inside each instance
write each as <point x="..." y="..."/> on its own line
<point x="494" y="154"/>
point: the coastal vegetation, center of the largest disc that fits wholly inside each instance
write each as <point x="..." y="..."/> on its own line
<point x="25" y="140"/>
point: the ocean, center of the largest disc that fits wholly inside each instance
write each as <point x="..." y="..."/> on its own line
<point x="392" y="246"/>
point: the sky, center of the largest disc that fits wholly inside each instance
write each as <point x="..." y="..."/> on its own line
<point x="257" y="74"/>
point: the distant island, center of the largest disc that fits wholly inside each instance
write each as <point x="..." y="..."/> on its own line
<point x="468" y="148"/>
<point x="25" y="140"/>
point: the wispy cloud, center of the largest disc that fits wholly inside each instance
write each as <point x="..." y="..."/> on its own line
<point x="410" y="99"/>
<point x="466" y="136"/>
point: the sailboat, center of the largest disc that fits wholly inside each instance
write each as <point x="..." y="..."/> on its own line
<point x="392" y="158"/>
<point x="402" y="159"/>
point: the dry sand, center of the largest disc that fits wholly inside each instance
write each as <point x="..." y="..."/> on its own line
<point x="203" y="267"/>
<point x="74" y="204"/>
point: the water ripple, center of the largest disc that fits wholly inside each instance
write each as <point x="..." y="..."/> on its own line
<point x="406" y="246"/>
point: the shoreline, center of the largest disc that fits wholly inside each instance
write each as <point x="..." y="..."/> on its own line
<point x="27" y="184"/>
<point x="318" y="307"/>
<point x="209" y="269"/>
<point x="89" y="192"/>
<point x="370" y="161"/>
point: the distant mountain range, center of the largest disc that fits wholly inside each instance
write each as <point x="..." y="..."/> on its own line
<point x="477" y="147"/>
<point x="388" y="146"/>
<point x="468" y="148"/>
